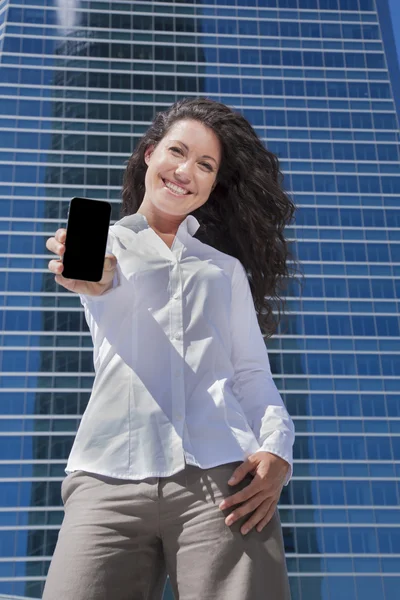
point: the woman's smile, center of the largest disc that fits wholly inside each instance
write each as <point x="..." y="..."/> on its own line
<point x="175" y="188"/>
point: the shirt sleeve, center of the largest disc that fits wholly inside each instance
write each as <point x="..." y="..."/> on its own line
<point x="253" y="384"/>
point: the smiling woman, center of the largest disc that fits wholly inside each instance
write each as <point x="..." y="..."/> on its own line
<point x="185" y="441"/>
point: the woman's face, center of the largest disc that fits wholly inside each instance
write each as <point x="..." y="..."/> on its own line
<point x="182" y="169"/>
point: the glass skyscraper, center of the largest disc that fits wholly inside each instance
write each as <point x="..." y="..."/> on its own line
<point x="79" y="83"/>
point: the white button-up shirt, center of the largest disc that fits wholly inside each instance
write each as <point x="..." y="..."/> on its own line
<point x="182" y="373"/>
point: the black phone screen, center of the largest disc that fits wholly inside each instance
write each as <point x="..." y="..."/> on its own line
<point x="86" y="241"/>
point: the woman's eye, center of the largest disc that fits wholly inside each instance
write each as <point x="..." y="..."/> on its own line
<point x="207" y="165"/>
<point x="175" y="149"/>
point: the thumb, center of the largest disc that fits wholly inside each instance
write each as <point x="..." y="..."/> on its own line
<point x="110" y="262"/>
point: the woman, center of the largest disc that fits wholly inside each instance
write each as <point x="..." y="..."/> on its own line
<point x="183" y="396"/>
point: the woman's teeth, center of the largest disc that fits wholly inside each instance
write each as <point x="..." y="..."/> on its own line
<point x="174" y="188"/>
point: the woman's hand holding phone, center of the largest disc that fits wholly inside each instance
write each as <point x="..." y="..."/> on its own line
<point x="56" y="244"/>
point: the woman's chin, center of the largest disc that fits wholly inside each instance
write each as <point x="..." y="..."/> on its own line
<point x="171" y="208"/>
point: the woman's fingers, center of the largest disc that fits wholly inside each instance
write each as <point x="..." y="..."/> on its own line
<point x="265" y="520"/>
<point x="56" y="266"/>
<point x="56" y="244"/>
<point x="261" y="516"/>
<point x="61" y="235"/>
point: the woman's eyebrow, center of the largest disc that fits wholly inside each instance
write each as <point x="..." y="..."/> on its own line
<point x="187" y="149"/>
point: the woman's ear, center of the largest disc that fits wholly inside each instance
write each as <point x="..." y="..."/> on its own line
<point x="147" y="154"/>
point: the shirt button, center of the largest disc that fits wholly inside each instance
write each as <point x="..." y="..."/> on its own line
<point x="177" y="336"/>
<point x="176" y="296"/>
<point x="179" y="417"/>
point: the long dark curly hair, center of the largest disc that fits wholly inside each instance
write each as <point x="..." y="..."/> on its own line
<point x="247" y="210"/>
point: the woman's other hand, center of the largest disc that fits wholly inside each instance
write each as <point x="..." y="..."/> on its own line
<point x="56" y="244"/>
<point x="261" y="496"/>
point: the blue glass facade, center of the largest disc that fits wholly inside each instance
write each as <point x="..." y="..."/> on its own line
<point x="77" y="89"/>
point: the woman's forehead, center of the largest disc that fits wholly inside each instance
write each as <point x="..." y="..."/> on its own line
<point x="193" y="133"/>
<point x="190" y="128"/>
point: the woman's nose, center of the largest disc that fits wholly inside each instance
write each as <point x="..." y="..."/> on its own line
<point x="183" y="171"/>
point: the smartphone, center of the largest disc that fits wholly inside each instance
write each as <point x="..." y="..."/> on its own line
<point x="86" y="241"/>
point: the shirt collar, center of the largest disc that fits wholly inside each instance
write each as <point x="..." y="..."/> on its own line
<point x="137" y="222"/>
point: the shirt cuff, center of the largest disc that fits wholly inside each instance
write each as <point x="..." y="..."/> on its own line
<point x="279" y="450"/>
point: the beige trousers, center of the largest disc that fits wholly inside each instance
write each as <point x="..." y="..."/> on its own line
<point x="120" y="538"/>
